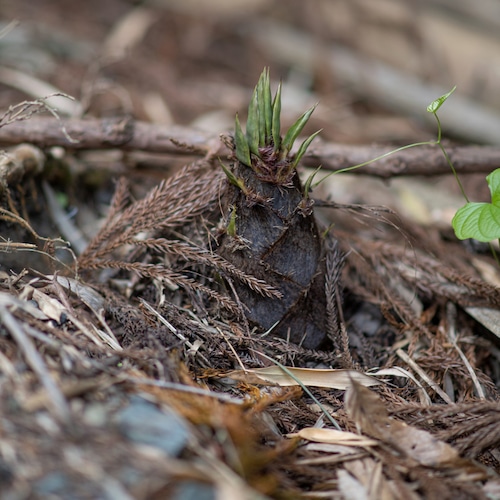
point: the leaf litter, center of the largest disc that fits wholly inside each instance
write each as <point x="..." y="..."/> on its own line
<point x="149" y="316"/>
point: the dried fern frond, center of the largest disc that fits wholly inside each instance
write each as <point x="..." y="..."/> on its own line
<point x="203" y="256"/>
<point x="168" y="207"/>
<point x="173" y="203"/>
<point x="157" y="271"/>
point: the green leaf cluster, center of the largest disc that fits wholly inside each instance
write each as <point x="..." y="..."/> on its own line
<point x="481" y="221"/>
<point x="263" y="127"/>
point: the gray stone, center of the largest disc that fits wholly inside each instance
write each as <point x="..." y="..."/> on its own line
<point x="142" y="422"/>
<point x="191" y="490"/>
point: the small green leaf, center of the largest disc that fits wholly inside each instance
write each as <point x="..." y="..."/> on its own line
<point x="253" y="124"/>
<point x="307" y="185"/>
<point x="437" y="103"/>
<point x="276" y="120"/>
<point x="261" y="104"/>
<point x="236" y="181"/>
<point x="480" y="221"/>
<point x="493" y="180"/>
<point x="295" y="130"/>
<point x="231" y="226"/>
<point x="303" y="149"/>
<point x="268" y="107"/>
<point x="242" y="149"/>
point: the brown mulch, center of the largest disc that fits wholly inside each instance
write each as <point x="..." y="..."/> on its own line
<point x="127" y="369"/>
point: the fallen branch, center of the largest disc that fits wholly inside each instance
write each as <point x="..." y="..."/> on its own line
<point x="421" y="160"/>
<point x="131" y="135"/>
<point x="124" y="133"/>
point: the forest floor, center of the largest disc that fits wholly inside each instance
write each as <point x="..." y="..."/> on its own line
<point x="127" y="367"/>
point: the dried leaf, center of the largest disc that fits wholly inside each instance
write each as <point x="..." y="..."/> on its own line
<point x="488" y="317"/>
<point x="371" y="417"/>
<point x="332" y="436"/>
<point x="48" y="305"/>
<point x="371" y="481"/>
<point x="9" y="300"/>
<point x="88" y="295"/>
<point x="350" y="487"/>
<point x="332" y="379"/>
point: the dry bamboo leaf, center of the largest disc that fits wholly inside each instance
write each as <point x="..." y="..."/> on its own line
<point x="48" y="305"/>
<point x="330" y="379"/>
<point x="88" y="295"/>
<point x="397" y="371"/>
<point x="489" y="318"/>
<point x="421" y="445"/>
<point x="369" y="475"/>
<point x="333" y="436"/>
<point x="332" y="450"/>
<point x="69" y="389"/>
<point x="371" y="417"/>
<point x="487" y="271"/>
<point x="350" y="487"/>
<point x="9" y="300"/>
<point x="40" y="89"/>
<point x="423" y="375"/>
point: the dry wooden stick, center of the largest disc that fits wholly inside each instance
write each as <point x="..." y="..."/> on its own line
<point x="420" y="160"/>
<point x="131" y="135"/>
<point x="124" y="133"/>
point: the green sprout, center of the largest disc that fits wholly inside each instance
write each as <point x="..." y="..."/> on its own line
<point x="262" y="141"/>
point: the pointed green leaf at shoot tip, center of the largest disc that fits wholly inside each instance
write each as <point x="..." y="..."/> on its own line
<point x="261" y="106"/>
<point x="242" y="149"/>
<point x="264" y="106"/>
<point x="295" y="130"/>
<point x="268" y="107"/>
<point x="303" y="148"/>
<point x="276" y="119"/>
<point x="253" y="124"/>
<point x="437" y="103"/>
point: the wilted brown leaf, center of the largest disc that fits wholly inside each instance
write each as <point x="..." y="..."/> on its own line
<point x="371" y="417"/>
<point x="328" y="378"/>
<point x="332" y="436"/>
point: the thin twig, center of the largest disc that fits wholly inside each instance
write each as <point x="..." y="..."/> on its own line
<point x="172" y="328"/>
<point x="451" y="311"/>
<point x="184" y="388"/>
<point x="130" y="135"/>
<point x="59" y="405"/>
<point x="433" y="385"/>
